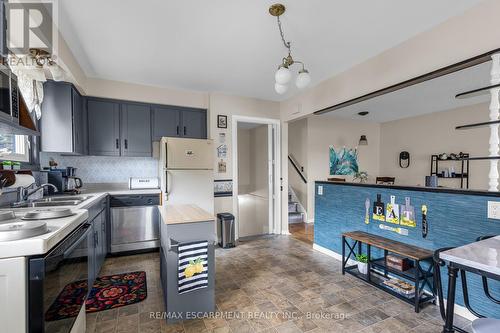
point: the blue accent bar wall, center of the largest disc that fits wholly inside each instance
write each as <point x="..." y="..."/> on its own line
<point x="454" y="218"/>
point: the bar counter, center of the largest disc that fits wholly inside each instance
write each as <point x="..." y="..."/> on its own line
<point x="455" y="217"/>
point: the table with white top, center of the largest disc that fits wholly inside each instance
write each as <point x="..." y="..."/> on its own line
<point x="482" y="257"/>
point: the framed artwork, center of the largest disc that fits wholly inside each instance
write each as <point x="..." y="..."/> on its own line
<point x="223" y="187"/>
<point x="221" y="121"/>
<point x="343" y="162"/>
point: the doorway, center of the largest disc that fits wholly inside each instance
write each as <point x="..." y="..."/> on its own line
<point x="256" y="192"/>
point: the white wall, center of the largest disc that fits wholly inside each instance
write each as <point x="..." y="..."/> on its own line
<point x="432" y="134"/>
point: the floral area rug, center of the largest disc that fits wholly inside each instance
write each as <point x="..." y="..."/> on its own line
<point x="108" y="292"/>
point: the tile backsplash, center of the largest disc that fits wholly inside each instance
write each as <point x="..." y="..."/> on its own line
<point x="105" y="169"/>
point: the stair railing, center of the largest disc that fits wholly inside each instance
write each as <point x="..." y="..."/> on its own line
<point x="298" y="168"/>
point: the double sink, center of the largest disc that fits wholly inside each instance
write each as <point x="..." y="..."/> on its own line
<point x="58" y="201"/>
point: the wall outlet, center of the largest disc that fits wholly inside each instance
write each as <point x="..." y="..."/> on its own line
<point x="494" y="210"/>
<point x="320" y="190"/>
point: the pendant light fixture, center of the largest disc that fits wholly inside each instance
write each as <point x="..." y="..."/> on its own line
<point x="283" y="75"/>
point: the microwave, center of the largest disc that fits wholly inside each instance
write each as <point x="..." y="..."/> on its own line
<point x="9" y="96"/>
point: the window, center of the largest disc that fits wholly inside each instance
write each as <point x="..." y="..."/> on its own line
<point x="14" y="147"/>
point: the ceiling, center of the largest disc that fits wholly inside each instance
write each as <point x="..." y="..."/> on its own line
<point x="430" y="96"/>
<point x="233" y="46"/>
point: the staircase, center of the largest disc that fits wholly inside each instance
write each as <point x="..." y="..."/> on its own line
<point x="294" y="215"/>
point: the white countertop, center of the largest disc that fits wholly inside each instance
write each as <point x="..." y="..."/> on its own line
<point x="60" y="228"/>
<point x="483" y="255"/>
<point x="178" y="214"/>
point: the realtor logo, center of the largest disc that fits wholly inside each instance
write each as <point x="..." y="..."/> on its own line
<point x="31" y="24"/>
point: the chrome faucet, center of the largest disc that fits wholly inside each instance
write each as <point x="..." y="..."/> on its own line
<point x="23" y="194"/>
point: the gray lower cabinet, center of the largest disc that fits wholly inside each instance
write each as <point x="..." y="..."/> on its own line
<point x="136" y="130"/>
<point x="63" y="125"/>
<point x="196" y="301"/>
<point x="98" y="213"/>
<point x="104" y="127"/>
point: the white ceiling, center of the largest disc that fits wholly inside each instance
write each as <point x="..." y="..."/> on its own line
<point x="423" y="98"/>
<point x="233" y="46"/>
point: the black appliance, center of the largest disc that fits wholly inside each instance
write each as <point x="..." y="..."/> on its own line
<point x="9" y="96"/>
<point x="67" y="263"/>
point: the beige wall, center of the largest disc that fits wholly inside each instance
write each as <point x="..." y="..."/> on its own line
<point x="431" y="134"/>
<point x="324" y="131"/>
<point x="459" y="38"/>
<point x="253" y="190"/>
<point x="298" y="148"/>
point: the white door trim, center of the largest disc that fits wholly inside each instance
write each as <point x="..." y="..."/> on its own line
<point x="274" y="184"/>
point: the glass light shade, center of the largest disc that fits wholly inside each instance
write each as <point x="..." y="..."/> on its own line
<point x="283" y="75"/>
<point x="303" y="79"/>
<point x="363" y="141"/>
<point x="280" y="88"/>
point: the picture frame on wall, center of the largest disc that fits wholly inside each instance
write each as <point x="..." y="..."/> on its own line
<point x="221" y="121"/>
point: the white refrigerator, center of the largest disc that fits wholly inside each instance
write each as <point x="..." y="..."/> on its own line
<point x="186" y="172"/>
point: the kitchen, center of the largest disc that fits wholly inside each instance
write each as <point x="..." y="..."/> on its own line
<point x="121" y="171"/>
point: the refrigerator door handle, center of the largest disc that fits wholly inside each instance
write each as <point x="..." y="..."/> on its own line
<point x="167" y="188"/>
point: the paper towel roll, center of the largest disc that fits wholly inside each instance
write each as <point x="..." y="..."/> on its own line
<point x="23" y="180"/>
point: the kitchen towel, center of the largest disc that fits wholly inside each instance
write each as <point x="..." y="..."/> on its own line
<point x="192" y="266"/>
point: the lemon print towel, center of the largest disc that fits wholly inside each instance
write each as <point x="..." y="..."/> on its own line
<point x="193" y="266"/>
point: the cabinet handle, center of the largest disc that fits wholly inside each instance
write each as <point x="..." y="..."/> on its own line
<point x="185" y="130"/>
<point x="117" y="143"/>
<point x="126" y="144"/>
<point x="177" y="130"/>
<point x="96" y="238"/>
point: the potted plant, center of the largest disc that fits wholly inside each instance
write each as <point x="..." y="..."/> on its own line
<point x="362" y="260"/>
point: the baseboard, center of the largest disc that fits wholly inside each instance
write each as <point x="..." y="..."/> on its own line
<point x="459" y="309"/>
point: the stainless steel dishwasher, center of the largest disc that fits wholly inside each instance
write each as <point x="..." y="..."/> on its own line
<point x="134" y="222"/>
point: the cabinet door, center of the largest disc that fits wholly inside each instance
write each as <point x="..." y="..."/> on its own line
<point x="79" y="123"/>
<point x="57" y="120"/>
<point x="136" y="129"/>
<point x="194" y="124"/>
<point x="166" y="122"/>
<point x="104" y="234"/>
<point x="104" y="127"/>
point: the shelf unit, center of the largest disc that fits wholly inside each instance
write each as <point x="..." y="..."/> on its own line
<point x="464" y="173"/>
<point x="421" y="277"/>
<point x="477" y="92"/>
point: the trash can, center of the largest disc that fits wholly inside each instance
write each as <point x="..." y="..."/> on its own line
<point x="225" y="222"/>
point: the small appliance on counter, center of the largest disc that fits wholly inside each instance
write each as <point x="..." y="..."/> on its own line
<point x="142" y="183"/>
<point x="65" y="180"/>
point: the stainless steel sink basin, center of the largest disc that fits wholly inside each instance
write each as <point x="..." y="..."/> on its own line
<point x="21" y="229"/>
<point x="49" y="213"/>
<point x="54" y="203"/>
<point x="64" y="198"/>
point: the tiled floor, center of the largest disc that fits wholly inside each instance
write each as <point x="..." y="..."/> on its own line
<point x="302" y="231"/>
<point x="281" y="285"/>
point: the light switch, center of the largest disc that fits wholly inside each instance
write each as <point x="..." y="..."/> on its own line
<point x="320" y="190"/>
<point x="494" y="210"/>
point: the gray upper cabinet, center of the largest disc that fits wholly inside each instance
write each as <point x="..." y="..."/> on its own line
<point x="194" y="123"/>
<point x="63" y="123"/>
<point x="166" y="122"/>
<point x="136" y="129"/>
<point x="103" y="127"/>
<point x="179" y="122"/>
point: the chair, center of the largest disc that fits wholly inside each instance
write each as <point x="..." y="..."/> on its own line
<point x="385" y="180"/>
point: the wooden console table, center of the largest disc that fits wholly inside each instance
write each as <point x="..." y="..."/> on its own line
<point x="378" y="271"/>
